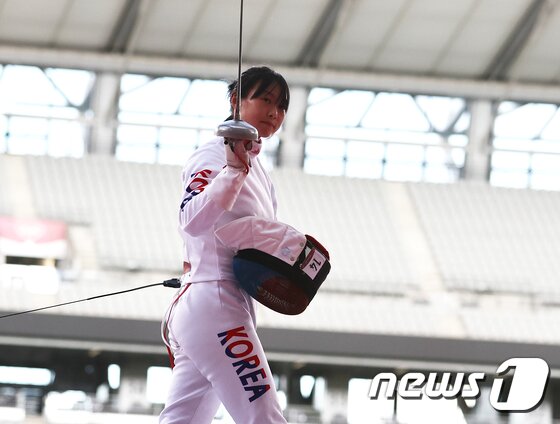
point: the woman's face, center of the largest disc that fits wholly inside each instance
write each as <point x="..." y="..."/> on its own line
<point x="263" y="112"/>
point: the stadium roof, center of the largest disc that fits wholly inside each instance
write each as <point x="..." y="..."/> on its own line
<point x="405" y="44"/>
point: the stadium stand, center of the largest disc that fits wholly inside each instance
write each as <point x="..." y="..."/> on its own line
<point x="358" y="313"/>
<point x="59" y="188"/>
<point x="127" y="211"/>
<point x="129" y="206"/>
<point x="492" y="295"/>
<point x="487" y="238"/>
<point x="351" y="217"/>
<point x="540" y="326"/>
<point x="135" y="225"/>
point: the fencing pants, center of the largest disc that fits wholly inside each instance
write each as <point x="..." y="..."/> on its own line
<point x="218" y="358"/>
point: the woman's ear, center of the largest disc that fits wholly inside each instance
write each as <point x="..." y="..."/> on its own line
<point x="233" y="102"/>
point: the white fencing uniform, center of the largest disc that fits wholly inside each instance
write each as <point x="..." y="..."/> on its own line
<point x="210" y="326"/>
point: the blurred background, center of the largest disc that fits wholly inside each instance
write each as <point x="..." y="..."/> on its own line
<point x="422" y="148"/>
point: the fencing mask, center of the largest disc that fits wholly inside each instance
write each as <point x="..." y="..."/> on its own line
<point x="276" y="264"/>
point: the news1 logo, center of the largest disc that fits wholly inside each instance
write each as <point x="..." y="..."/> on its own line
<point x="523" y="392"/>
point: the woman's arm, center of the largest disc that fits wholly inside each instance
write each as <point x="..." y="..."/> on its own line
<point x="210" y="188"/>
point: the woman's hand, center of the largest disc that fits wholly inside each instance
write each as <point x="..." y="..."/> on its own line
<point x="237" y="153"/>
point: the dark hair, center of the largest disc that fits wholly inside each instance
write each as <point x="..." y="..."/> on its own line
<point x="262" y="79"/>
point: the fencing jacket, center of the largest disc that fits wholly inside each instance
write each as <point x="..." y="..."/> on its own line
<point x="214" y="195"/>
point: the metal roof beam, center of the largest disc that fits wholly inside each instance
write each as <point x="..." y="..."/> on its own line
<point x="124" y="27"/>
<point x="315" y="44"/>
<point x="515" y="42"/>
<point x="307" y="77"/>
